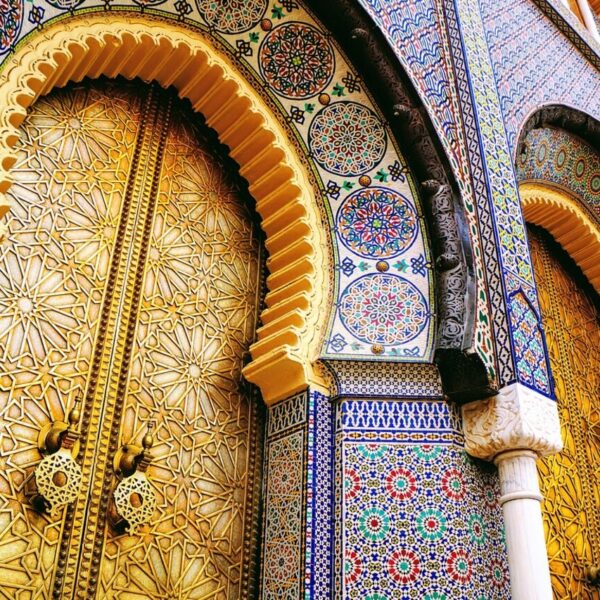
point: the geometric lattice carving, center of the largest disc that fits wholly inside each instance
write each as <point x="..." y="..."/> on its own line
<point x="78" y="179"/>
<point x="67" y="196"/>
<point x="135" y="501"/>
<point x="570" y="480"/>
<point x="56" y="490"/>
<point x="197" y="317"/>
<point x="280" y="184"/>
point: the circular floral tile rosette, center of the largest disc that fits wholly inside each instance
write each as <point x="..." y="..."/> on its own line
<point x="403" y="566"/>
<point x="377" y="222"/>
<point x="296" y="60"/>
<point x="11" y="19"/>
<point x="383" y="309"/>
<point x="232" y="16"/>
<point x="347" y="139"/>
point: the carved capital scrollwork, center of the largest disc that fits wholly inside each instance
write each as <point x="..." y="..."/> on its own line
<point x="515" y="418"/>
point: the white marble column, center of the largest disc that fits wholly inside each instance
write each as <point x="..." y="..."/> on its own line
<point x="526" y="545"/>
<point x="588" y="19"/>
<point x="513" y="429"/>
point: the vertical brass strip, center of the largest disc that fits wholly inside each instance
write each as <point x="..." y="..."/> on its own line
<point x="81" y="546"/>
<point x="253" y="508"/>
<point x="148" y="189"/>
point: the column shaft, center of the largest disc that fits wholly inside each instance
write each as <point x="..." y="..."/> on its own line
<point x="525" y="540"/>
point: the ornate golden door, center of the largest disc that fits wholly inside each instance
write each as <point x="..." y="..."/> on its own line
<point x="130" y="274"/>
<point x="570" y="481"/>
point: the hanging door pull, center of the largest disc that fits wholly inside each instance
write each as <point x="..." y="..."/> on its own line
<point x="56" y="480"/>
<point x="134" y="500"/>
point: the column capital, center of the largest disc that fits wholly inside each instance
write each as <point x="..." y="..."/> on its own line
<point x="517" y="418"/>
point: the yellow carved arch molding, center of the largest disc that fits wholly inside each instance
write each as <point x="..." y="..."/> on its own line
<point x="568" y="223"/>
<point x="138" y="46"/>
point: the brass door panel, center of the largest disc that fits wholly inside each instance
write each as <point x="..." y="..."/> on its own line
<point x="131" y="273"/>
<point x="570" y="481"/>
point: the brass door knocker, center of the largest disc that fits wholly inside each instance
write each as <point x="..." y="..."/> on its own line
<point x="56" y="481"/>
<point x="133" y="499"/>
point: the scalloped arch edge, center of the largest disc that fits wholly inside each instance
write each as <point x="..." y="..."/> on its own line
<point x="135" y="46"/>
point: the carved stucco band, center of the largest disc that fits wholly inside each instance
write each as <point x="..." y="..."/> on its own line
<point x="515" y="418"/>
<point x="464" y="375"/>
<point x="136" y="46"/>
<point x="450" y="265"/>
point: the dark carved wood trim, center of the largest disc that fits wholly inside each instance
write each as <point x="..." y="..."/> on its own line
<point x="463" y="373"/>
<point x="563" y="117"/>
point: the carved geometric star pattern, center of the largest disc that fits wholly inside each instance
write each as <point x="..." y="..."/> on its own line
<point x="570" y="480"/>
<point x="70" y="177"/>
<point x="196" y="321"/>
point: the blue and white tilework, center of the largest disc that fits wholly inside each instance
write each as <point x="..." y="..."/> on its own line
<point x="420" y="521"/>
<point x="419" y="518"/>
<point x="535" y="64"/>
<point x="505" y="206"/>
<point x="419" y="37"/>
<point x="298" y="522"/>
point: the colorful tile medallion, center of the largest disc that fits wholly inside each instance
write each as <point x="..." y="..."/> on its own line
<point x="420" y="521"/>
<point x="296" y="60"/>
<point x="347" y="139"/>
<point x="556" y="156"/>
<point x="232" y="16"/>
<point x="329" y="117"/>
<point x="11" y="20"/>
<point x="383" y="309"/>
<point x="377" y="222"/>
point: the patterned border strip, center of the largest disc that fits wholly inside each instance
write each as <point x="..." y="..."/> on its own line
<point x="389" y="380"/>
<point x="506" y="369"/>
<point x="287" y="414"/>
<point x="309" y="485"/>
<point x="283" y="520"/>
<point x="399" y="418"/>
<point x="573" y="30"/>
<point x="502" y="200"/>
<point x="389" y="437"/>
<point x="319" y="520"/>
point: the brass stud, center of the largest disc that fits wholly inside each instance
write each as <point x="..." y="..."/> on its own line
<point x="377" y="349"/>
<point x="324" y="99"/>
<point x="364" y="180"/>
<point x="382" y="266"/>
